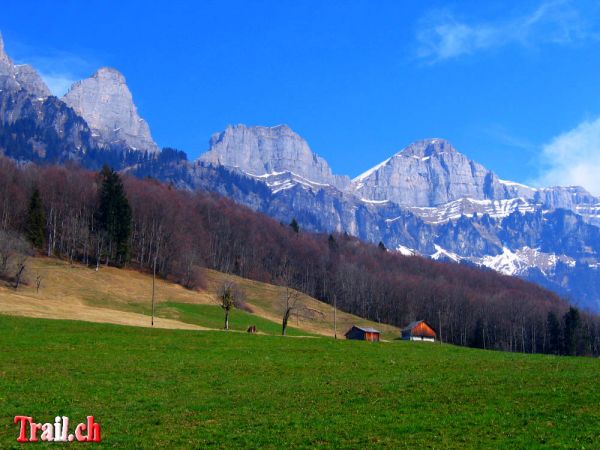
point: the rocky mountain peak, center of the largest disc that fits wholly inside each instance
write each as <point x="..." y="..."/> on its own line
<point x="2" y="54"/>
<point x="429" y="173"/>
<point x="261" y="150"/>
<point x="428" y="147"/>
<point x="110" y="75"/>
<point x="14" y="78"/>
<point x="7" y="70"/>
<point x="106" y="103"/>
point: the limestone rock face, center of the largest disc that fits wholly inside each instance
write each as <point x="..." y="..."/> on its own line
<point x="266" y="151"/>
<point x="13" y="78"/>
<point x="28" y="78"/>
<point x="432" y="172"/>
<point x="106" y="103"/>
<point x="7" y="74"/>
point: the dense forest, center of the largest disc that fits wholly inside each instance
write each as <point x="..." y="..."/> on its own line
<point x="101" y="218"/>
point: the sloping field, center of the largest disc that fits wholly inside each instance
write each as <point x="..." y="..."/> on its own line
<point x="123" y="296"/>
<point x="151" y="388"/>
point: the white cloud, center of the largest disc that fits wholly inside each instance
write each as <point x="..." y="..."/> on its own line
<point x="58" y="83"/>
<point x="573" y="158"/>
<point x="442" y="36"/>
<point x="58" y="68"/>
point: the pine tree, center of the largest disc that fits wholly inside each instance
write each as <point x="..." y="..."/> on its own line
<point x="114" y="214"/>
<point x="572" y="326"/>
<point x="478" y="335"/>
<point x="333" y="246"/>
<point x="36" y="220"/>
<point x="554" y="333"/>
<point x="382" y="246"/>
<point x="295" y="226"/>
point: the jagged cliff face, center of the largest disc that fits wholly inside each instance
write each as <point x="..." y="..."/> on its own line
<point x="430" y="173"/>
<point x="266" y="151"/>
<point x="8" y="81"/>
<point x="28" y="77"/>
<point x="105" y="102"/>
<point x="36" y="126"/>
<point x="14" y="78"/>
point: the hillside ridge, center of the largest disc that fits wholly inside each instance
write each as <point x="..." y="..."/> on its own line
<point x="123" y="297"/>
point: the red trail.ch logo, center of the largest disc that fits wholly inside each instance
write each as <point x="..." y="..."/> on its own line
<point x="57" y="431"/>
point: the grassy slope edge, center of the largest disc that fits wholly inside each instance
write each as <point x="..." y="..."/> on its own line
<point x="122" y="296"/>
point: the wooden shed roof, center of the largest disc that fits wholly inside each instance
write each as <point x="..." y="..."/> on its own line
<point x="411" y="325"/>
<point x="366" y="329"/>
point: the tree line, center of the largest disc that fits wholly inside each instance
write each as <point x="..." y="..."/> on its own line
<point x="110" y="219"/>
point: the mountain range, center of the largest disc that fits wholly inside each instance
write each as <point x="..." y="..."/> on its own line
<point x="427" y="199"/>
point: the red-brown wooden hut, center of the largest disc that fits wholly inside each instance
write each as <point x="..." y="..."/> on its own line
<point x="419" y="331"/>
<point x="363" y="334"/>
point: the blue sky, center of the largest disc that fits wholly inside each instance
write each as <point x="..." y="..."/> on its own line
<point x="514" y="85"/>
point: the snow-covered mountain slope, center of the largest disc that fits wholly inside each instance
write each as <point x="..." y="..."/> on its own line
<point x="520" y="261"/>
<point x="280" y="181"/>
<point x="470" y="207"/>
<point x="441" y="254"/>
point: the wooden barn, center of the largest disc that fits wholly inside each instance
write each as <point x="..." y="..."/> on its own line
<point x="363" y="334"/>
<point x="419" y="331"/>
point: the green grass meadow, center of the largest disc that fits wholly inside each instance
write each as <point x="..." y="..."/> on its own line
<point x="213" y="316"/>
<point x="152" y="388"/>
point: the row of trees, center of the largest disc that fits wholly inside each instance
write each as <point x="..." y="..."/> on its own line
<point x="107" y="219"/>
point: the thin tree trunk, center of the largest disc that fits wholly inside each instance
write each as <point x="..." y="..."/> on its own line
<point x="284" y="324"/>
<point x="19" y="275"/>
<point x="153" y="288"/>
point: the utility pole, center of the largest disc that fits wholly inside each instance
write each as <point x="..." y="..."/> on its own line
<point x="440" y="326"/>
<point x="334" y="316"/>
<point x="153" y="283"/>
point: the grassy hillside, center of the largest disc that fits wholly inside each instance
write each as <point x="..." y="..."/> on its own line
<point x="190" y="389"/>
<point x="124" y="297"/>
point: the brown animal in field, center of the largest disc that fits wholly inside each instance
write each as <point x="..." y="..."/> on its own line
<point x="251" y="329"/>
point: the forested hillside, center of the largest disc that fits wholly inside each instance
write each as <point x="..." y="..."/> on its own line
<point x="103" y="218"/>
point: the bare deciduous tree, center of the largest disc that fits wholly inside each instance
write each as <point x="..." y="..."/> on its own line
<point x="14" y="251"/>
<point x="20" y="261"/>
<point x="38" y="282"/>
<point x="229" y="296"/>
<point x="291" y="303"/>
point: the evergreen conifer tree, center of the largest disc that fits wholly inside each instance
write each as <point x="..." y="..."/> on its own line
<point x="572" y="327"/>
<point x="295" y="226"/>
<point x="36" y="220"/>
<point x="554" y="333"/>
<point x="114" y="214"/>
